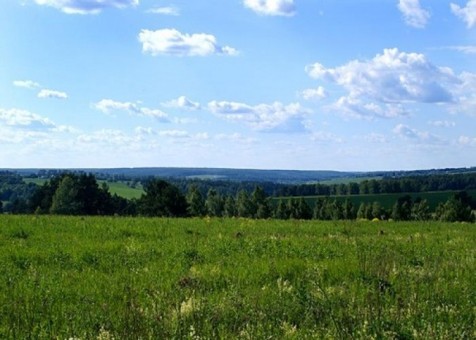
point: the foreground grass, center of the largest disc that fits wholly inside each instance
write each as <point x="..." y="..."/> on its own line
<point x="66" y="277"/>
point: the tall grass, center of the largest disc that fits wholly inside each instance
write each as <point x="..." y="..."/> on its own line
<point x="85" y="278"/>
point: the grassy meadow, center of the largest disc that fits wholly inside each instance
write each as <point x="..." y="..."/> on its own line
<point x="131" y="278"/>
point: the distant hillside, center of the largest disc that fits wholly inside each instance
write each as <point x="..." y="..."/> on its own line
<point x="251" y="175"/>
<point x="241" y="175"/>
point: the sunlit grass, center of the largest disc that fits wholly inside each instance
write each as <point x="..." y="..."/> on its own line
<point x="67" y="277"/>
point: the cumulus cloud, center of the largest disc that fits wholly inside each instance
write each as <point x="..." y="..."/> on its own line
<point x="168" y="10"/>
<point x="467" y="13"/>
<point x="23" y="118"/>
<point x="174" y="43"/>
<point x="108" y="106"/>
<point x="272" y="7"/>
<point x="383" y="85"/>
<point x="27" y="84"/>
<point x="266" y="117"/>
<point x="183" y="103"/>
<point x="317" y="93"/>
<point x="393" y="76"/>
<point x="86" y="6"/>
<point x="413" y="14"/>
<point x="45" y="93"/>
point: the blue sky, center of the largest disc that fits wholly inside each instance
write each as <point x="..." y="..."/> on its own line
<point x="269" y="84"/>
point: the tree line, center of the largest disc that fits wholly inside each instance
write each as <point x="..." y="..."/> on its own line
<point x="386" y="185"/>
<point x="80" y="194"/>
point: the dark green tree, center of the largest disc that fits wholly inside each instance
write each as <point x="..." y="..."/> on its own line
<point x="244" y="206"/>
<point x="196" y="203"/>
<point x="65" y="199"/>
<point x="214" y="204"/>
<point x="421" y="211"/>
<point x="229" y="209"/>
<point x="348" y="210"/>
<point x="260" y="203"/>
<point x="456" y="209"/>
<point x="162" y="199"/>
<point x="281" y="212"/>
<point x="402" y="209"/>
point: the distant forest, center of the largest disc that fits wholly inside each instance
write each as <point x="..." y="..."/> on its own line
<point x="71" y="193"/>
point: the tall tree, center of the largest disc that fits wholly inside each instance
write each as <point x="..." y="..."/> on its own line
<point x="214" y="204"/>
<point x="244" y="206"/>
<point x="65" y="199"/>
<point x="162" y="199"/>
<point x="196" y="203"/>
<point x="229" y="210"/>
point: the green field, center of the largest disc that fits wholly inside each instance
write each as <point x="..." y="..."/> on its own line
<point x="119" y="188"/>
<point x="386" y="200"/>
<point x="137" y="278"/>
<point x="123" y="190"/>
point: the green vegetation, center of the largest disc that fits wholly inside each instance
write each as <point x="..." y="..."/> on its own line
<point x="130" y="278"/>
<point x="386" y="200"/>
<point x="120" y="188"/>
<point x="124" y="189"/>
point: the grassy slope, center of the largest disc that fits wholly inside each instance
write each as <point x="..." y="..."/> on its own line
<point x="63" y="277"/>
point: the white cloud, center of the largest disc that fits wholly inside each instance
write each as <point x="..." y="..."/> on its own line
<point x="23" y="118"/>
<point x="381" y="86"/>
<point x="108" y="105"/>
<point x="140" y="130"/>
<point x="418" y="136"/>
<point x="172" y="42"/>
<point x="375" y="138"/>
<point x="183" y="135"/>
<point x="108" y="136"/>
<point x="413" y="14"/>
<point x="86" y="6"/>
<point x="354" y="107"/>
<point x="169" y="10"/>
<point x="442" y="123"/>
<point x="467" y="14"/>
<point x="317" y="93"/>
<point x="28" y="84"/>
<point x="467" y="141"/>
<point x="468" y="49"/>
<point x="236" y="138"/>
<point x="392" y="77"/>
<point x="174" y="133"/>
<point x="272" y="7"/>
<point x="326" y="137"/>
<point x="183" y="103"/>
<point x="45" y="93"/>
<point x="267" y="117"/>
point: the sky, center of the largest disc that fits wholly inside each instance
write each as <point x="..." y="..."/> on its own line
<point x="265" y="84"/>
